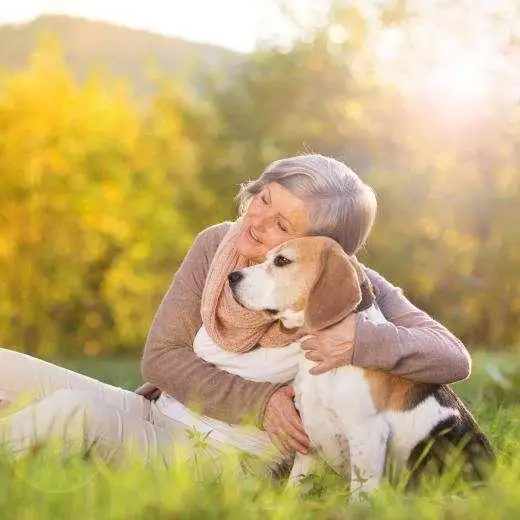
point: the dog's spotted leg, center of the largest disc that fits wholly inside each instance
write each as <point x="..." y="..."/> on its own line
<point x="368" y="445"/>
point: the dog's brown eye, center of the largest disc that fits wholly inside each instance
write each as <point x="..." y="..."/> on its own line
<point x="280" y="261"/>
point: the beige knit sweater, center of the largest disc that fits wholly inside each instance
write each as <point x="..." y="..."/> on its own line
<point x="411" y="344"/>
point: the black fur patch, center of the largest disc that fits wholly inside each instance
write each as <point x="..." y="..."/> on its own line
<point x="368" y="295"/>
<point x="419" y="393"/>
<point x="433" y="454"/>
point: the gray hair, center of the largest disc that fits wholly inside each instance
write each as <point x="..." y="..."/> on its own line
<point x="340" y="205"/>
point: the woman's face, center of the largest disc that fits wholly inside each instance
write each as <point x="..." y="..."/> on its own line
<point x="274" y="216"/>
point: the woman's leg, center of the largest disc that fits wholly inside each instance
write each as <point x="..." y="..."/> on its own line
<point x="84" y="423"/>
<point x="83" y="413"/>
<point x="29" y="378"/>
<point x="58" y="402"/>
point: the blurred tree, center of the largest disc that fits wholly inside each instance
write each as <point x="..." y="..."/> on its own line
<point x="284" y="102"/>
<point x="102" y="196"/>
<point x="446" y="185"/>
<point x="93" y="219"/>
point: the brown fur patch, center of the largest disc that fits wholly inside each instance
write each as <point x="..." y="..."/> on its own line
<point x="330" y="283"/>
<point x="308" y="252"/>
<point x="390" y="392"/>
<point x="336" y="292"/>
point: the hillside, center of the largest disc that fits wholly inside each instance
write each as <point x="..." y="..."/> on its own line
<point x="119" y="50"/>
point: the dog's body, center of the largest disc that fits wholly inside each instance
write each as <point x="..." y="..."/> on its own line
<point x="356" y="417"/>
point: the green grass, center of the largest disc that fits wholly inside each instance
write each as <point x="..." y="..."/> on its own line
<point x="42" y="487"/>
<point x="119" y="372"/>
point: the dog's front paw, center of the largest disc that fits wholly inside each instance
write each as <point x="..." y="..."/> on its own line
<point x="303" y="466"/>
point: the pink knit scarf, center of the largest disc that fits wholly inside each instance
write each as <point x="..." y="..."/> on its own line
<point x="230" y="325"/>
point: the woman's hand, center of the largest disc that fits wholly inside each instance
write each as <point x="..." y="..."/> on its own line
<point x="283" y="423"/>
<point x="331" y="347"/>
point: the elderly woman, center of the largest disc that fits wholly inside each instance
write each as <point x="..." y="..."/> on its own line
<point x="297" y="196"/>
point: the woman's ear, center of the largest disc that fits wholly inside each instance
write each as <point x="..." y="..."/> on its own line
<point x="336" y="292"/>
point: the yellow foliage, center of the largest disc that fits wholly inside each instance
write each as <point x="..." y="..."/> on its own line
<point x="86" y="188"/>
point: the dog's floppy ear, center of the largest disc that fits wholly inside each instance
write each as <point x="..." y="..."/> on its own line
<point x="336" y="292"/>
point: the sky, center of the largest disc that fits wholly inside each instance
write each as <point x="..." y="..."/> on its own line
<point x="236" y="24"/>
<point x="457" y="52"/>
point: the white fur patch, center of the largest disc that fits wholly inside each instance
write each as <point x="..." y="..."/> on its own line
<point x="256" y="289"/>
<point x="409" y="427"/>
<point x="292" y="319"/>
<point x="374" y="314"/>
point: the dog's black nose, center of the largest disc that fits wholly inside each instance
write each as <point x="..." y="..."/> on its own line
<point x="235" y="277"/>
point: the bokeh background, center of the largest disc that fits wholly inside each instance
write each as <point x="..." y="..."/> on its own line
<point x="127" y="129"/>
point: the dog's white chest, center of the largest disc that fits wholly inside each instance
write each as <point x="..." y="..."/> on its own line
<point x="338" y="389"/>
<point x="326" y="402"/>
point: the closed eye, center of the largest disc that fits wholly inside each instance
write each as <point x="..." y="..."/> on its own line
<point x="282" y="227"/>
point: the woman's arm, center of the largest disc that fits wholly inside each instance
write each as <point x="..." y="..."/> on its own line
<point x="411" y="344"/>
<point x="169" y="361"/>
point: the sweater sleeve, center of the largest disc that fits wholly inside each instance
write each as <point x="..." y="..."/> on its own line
<point x="411" y="344"/>
<point x="169" y="361"/>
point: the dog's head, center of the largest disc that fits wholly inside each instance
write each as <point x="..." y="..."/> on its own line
<point x="307" y="281"/>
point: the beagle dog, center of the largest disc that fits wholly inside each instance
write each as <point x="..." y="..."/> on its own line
<point x="356" y="418"/>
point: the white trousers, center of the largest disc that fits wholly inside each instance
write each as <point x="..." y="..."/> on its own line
<point x="82" y="412"/>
